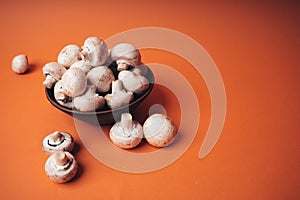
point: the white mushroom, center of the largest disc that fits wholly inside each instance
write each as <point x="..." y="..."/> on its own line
<point x="118" y="96"/>
<point x="58" y="141"/>
<point x="74" y="82"/>
<point x="133" y="82"/>
<point x="159" y="130"/>
<point x="126" y="133"/>
<point x="101" y="77"/>
<point x="125" y="55"/>
<point x="20" y="64"/>
<point x="53" y="72"/>
<point x="84" y="65"/>
<point x="95" y="51"/>
<point x="69" y="54"/>
<point x="61" y="166"/>
<point x="89" y="101"/>
<point x="141" y="69"/>
<point x="61" y="97"/>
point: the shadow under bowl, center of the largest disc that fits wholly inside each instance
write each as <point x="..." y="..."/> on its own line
<point x="105" y="116"/>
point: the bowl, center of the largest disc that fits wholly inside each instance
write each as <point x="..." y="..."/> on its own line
<point x="105" y="116"/>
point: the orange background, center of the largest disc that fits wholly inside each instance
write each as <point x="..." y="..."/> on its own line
<point x="256" y="48"/>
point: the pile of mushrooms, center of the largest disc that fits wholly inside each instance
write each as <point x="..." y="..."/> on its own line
<point x="92" y="76"/>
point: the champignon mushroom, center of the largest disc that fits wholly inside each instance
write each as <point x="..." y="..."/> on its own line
<point x="125" y="55"/>
<point x="19" y="64"/>
<point x="95" y="51"/>
<point x="84" y="65"/>
<point x="61" y="97"/>
<point x="126" y="133"/>
<point x="89" y="101"/>
<point x="133" y="82"/>
<point x="141" y="69"/>
<point x="159" y="130"/>
<point x="58" y="141"/>
<point x="118" y="96"/>
<point x="61" y="166"/>
<point x="69" y="54"/>
<point x="53" y="72"/>
<point x="74" y="82"/>
<point x="101" y="77"/>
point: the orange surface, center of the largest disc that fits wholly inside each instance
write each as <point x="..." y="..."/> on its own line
<point x="256" y="48"/>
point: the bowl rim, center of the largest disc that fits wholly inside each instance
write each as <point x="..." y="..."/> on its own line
<point x="50" y="95"/>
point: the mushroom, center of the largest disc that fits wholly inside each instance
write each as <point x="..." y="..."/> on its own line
<point x="95" y="51"/>
<point x="84" y="65"/>
<point x="69" y="54"/>
<point x="125" y="55"/>
<point x="141" y="69"/>
<point x="74" y="82"/>
<point x="133" y="82"/>
<point x="89" y="101"/>
<point x="159" y="130"/>
<point x="101" y="77"/>
<point x="19" y="64"/>
<point x="58" y="141"/>
<point x="61" y="97"/>
<point x="61" y="166"/>
<point x="53" y="72"/>
<point x="126" y="133"/>
<point x="118" y="96"/>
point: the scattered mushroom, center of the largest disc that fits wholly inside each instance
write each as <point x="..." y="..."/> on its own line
<point x="118" y="96"/>
<point x="95" y="51"/>
<point x="133" y="82"/>
<point x="126" y="133"/>
<point x="53" y="72"/>
<point x="58" y="141"/>
<point x="69" y="54"/>
<point x="84" y="65"/>
<point x="89" y="101"/>
<point x="101" y="77"/>
<point x="159" y="130"/>
<point x="20" y="64"/>
<point x="74" y="82"/>
<point x="61" y="166"/>
<point x="125" y="55"/>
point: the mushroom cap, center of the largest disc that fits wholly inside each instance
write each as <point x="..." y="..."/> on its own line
<point x="126" y="137"/>
<point x="89" y="101"/>
<point x="84" y="65"/>
<point x="159" y="130"/>
<point x="133" y="82"/>
<point x="61" y="97"/>
<point x="69" y="54"/>
<point x="74" y="82"/>
<point x="101" y="77"/>
<point x="54" y="69"/>
<point x="53" y="72"/>
<point x="126" y="52"/>
<point x="58" y="141"/>
<point x="61" y="166"/>
<point x="141" y="69"/>
<point x="95" y="51"/>
<point x="19" y="64"/>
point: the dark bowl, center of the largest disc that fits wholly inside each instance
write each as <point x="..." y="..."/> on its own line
<point x="105" y="116"/>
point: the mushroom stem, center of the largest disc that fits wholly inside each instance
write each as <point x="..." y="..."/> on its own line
<point x="56" y="136"/>
<point x="116" y="86"/>
<point x="61" y="158"/>
<point x="126" y="120"/>
<point x="49" y="82"/>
